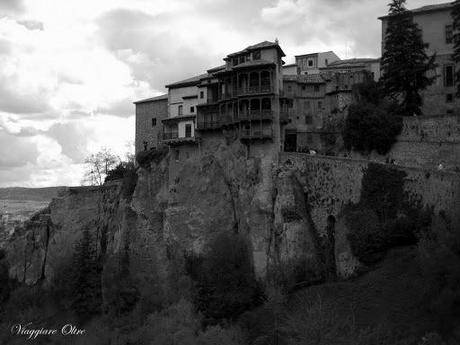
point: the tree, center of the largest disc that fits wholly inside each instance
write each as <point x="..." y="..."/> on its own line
<point x="87" y="299"/>
<point x="98" y="166"/>
<point x="456" y="29"/>
<point x="405" y="63"/>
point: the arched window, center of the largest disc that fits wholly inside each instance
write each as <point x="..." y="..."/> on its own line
<point x="254" y="79"/>
<point x="265" y="78"/>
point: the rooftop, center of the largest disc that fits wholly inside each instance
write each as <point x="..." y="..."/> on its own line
<point x="312" y="54"/>
<point x="351" y="62"/>
<point x="188" y="82"/>
<point x="261" y="45"/>
<point x="305" y="78"/>
<point x="429" y="8"/>
<point x="153" y="99"/>
<point x="253" y="63"/>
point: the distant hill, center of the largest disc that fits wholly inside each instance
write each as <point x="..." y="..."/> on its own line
<point x="33" y="194"/>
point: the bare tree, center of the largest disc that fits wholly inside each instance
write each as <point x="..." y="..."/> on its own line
<point x="98" y="165"/>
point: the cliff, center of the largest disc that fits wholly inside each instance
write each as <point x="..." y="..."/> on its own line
<point x="281" y="206"/>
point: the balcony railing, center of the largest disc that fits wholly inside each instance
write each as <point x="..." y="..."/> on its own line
<point x="208" y="125"/>
<point x="249" y="90"/>
<point x="256" y="133"/>
<point x="170" y="135"/>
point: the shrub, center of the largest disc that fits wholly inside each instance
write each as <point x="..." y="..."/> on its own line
<point x="144" y="158"/>
<point x="225" y="281"/>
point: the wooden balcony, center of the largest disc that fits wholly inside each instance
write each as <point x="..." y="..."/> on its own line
<point x="208" y="125"/>
<point x="254" y="133"/>
<point x="252" y="90"/>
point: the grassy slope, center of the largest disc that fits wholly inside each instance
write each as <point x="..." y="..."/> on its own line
<point x="390" y="294"/>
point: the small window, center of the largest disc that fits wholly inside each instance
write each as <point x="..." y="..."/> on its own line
<point x="180" y="109"/>
<point x="176" y="155"/>
<point x="449" y="98"/>
<point x="289" y="88"/>
<point x="256" y="55"/>
<point x="303" y="87"/>
<point x="320" y="105"/>
<point x="316" y="88"/>
<point x="201" y="94"/>
<point x="192" y="109"/>
<point x="326" y="62"/>
<point x="449" y="34"/>
<point x="310" y="63"/>
<point x="154" y="122"/>
<point x="449" y="75"/>
<point x="308" y="120"/>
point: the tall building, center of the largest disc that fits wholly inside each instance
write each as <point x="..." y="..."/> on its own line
<point x="435" y="21"/>
<point x="149" y="114"/>
<point x="245" y="96"/>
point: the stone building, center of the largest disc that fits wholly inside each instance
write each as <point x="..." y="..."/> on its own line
<point x="435" y="21"/>
<point x="312" y="63"/>
<point x="307" y="105"/>
<point x="149" y="114"/>
<point x="372" y="65"/>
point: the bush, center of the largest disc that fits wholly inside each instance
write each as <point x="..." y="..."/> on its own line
<point x="144" y="158"/>
<point x="225" y="281"/>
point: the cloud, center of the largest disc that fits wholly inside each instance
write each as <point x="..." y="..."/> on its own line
<point x="73" y="138"/>
<point x="16" y="151"/>
<point x="11" y="7"/>
<point x="31" y="24"/>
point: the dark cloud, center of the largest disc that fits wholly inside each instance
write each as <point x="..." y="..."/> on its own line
<point x="31" y="24"/>
<point x="16" y="151"/>
<point x="73" y="139"/>
<point x="164" y="57"/>
<point x="11" y="7"/>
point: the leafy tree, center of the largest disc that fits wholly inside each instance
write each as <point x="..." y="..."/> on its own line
<point x="456" y="28"/>
<point x="405" y="63"/>
<point x="98" y="166"/>
<point x="372" y="122"/>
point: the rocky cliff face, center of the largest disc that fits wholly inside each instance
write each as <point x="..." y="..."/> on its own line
<point x="174" y="214"/>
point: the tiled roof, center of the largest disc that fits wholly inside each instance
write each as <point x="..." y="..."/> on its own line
<point x="153" y="99"/>
<point x="188" y="82"/>
<point x="429" y="8"/>
<point x="260" y="45"/>
<point x="355" y="61"/>
<point x="317" y="53"/>
<point x="216" y="69"/>
<point x="305" y="78"/>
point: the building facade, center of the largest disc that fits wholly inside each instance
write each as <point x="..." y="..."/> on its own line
<point x="435" y="21"/>
<point x="312" y="63"/>
<point x="149" y="114"/>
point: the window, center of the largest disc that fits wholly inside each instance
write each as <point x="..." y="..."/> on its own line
<point x="320" y="105"/>
<point x="256" y="55"/>
<point x="180" y="109"/>
<point x="188" y="131"/>
<point x="326" y="62"/>
<point x="449" y="75"/>
<point x="307" y="106"/>
<point x="309" y="138"/>
<point x="201" y="94"/>
<point x="308" y="120"/>
<point x="449" y="34"/>
<point x="192" y="109"/>
<point x="303" y="87"/>
<point x="449" y="98"/>
<point x="310" y="63"/>
<point x="154" y="122"/>
<point x="289" y="88"/>
<point x="316" y="88"/>
<point x="176" y="154"/>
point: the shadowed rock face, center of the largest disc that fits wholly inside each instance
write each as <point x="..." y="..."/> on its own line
<point x="169" y="218"/>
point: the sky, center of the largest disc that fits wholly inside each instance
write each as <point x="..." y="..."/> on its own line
<point x="70" y="70"/>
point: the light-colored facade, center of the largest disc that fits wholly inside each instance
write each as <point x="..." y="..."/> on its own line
<point x="312" y="63"/>
<point x="435" y="21"/>
<point x="149" y="114"/>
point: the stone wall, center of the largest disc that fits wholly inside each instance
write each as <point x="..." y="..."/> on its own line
<point x="332" y="182"/>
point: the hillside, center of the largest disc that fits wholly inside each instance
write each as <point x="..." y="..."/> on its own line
<point x="32" y="194"/>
